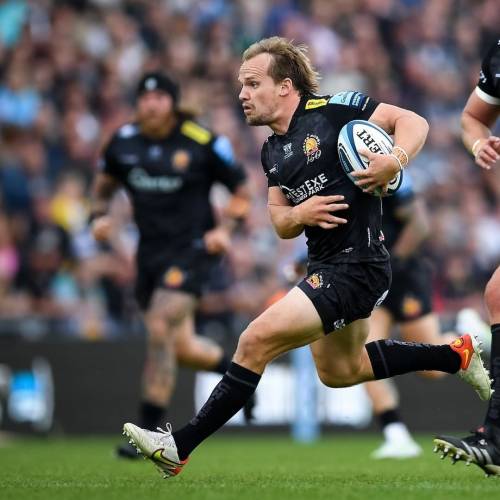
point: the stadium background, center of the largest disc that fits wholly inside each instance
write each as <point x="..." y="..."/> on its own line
<point x="67" y="77"/>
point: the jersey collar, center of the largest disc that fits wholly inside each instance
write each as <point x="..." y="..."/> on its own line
<point x="299" y="111"/>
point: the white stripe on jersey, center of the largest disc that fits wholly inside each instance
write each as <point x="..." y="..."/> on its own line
<point x="486" y="97"/>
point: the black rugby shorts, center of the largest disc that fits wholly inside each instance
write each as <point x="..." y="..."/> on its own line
<point x="343" y="293"/>
<point x="410" y="296"/>
<point x="185" y="273"/>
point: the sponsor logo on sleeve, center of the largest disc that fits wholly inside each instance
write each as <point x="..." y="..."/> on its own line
<point x="315" y="103"/>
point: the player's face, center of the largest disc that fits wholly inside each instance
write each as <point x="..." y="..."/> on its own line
<point x="154" y="109"/>
<point x="259" y="94"/>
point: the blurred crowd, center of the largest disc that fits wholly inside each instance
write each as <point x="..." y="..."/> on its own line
<point x="68" y="71"/>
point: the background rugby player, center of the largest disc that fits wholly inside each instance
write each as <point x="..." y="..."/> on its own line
<point x="408" y="305"/>
<point x="167" y="164"/>
<point x="478" y="117"/>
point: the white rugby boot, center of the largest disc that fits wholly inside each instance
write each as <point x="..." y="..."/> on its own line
<point x="472" y="369"/>
<point x="159" y="447"/>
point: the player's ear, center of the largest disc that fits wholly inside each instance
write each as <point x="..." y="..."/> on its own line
<point x="286" y="87"/>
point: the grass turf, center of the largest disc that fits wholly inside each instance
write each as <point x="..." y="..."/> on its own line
<point x="226" y="467"/>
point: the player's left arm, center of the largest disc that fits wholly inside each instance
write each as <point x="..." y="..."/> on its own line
<point x="218" y="239"/>
<point x="409" y="131"/>
<point x="478" y="118"/>
<point x="232" y="175"/>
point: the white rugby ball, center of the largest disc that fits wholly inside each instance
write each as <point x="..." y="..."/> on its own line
<point x="359" y="135"/>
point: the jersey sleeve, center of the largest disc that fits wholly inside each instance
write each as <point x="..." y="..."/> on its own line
<point x="266" y="165"/>
<point x="486" y="88"/>
<point x="350" y="105"/>
<point x="225" y="168"/>
<point x="108" y="162"/>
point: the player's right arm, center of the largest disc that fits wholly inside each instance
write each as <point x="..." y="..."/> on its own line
<point x="103" y="188"/>
<point x="289" y="221"/>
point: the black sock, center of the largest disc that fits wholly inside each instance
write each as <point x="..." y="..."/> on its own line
<point x="228" y="397"/>
<point x="150" y="415"/>
<point x="493" y="413"/>
<point x="391" y="357"/>
<point x="388" y="417"/>
<point x="223" y="365"/>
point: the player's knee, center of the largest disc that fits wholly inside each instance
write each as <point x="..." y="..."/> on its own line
<point x="157" y="330"/>
<point x="174" y="313"/>
<point x="254" y="344"/>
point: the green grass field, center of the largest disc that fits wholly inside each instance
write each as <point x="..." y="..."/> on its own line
<point x="263" y="467"/>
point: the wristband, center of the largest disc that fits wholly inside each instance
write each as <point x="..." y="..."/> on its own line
<point x="472" y="150"/>
<point x="398" y="160"/>
<point x="401" y="155"/>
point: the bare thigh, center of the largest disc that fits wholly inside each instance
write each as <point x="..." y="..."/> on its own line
<point x="170" y="306"/>
<point x="289" y="323"/>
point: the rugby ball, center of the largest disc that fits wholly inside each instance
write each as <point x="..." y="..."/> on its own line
<point x="359" y="135"/>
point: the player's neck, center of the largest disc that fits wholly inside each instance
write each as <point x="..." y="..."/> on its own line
<point x="162" y="131"/>
<point x="283" y="119"/>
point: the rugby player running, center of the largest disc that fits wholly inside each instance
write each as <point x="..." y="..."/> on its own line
<point x="479" y="116"/>
<point x="348" y="271"/>
<point x="167" y="163"/>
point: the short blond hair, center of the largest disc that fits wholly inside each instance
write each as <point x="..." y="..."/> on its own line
<point x="287" y="61"/>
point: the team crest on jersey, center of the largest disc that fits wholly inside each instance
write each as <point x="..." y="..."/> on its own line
<point x="311" y="147"/>
<point x="174" y="277"/>
<point x="180" y="160"/>
<point x="315" y="280"/>
<point x="411" y="307"/>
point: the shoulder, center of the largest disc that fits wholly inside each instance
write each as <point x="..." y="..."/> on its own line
<point x="337" y="105"/>
<point x="493" y="52"/>
<point x="488" y="86"/>
<point x="125" y="133"/>
<point x="349" y="99"/>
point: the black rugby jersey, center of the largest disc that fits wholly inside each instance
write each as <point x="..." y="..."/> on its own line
<point x="169" y="181"/>
<point x="488" y="86"/>
<point x="304" y="162"/>
<point x="392" y="224"/>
